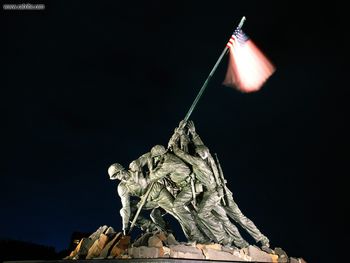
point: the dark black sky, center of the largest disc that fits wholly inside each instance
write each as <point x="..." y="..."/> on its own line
<point x="89" y="83"/>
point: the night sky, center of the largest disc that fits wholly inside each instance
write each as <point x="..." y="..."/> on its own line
<point x="90" y="83"/>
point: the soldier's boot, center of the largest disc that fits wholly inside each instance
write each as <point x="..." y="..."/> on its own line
<point x="241" y="243"/>
<point x="198" y="237"/>
<point x="265" y="245"/>
<point x="264" y="241"/>
<point x="158" y="219"/>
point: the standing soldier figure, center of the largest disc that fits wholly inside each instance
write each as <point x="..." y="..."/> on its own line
<point x="218" y="225"/>
<point x="231" y="208"/>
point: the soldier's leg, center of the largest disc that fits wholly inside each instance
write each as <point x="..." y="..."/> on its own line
<point x="185" y="217"/>
<point x="230" y="228"/>
<point x="165" y="200"/>
<point x="157" y="218"/>
<point x="182" y="200"/>
<point x="235" y="213"/>
<point x="142" y="222"/>
<point x="209" y="224"/>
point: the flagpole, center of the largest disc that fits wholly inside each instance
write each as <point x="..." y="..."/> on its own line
<point x="209" y="77"/>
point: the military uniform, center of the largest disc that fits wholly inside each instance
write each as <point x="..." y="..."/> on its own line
<point x="210" y="198"/>
<point x="173" y="168"/>
<point x="131" y="186"/>
<point x="231" y="208"/>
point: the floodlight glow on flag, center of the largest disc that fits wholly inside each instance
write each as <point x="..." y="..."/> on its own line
<point x="248" y="68"/>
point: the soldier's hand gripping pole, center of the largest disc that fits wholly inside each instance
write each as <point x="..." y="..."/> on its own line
<point x="143" y="200"/>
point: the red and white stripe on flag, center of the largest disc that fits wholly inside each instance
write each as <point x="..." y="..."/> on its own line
<point x="248" y="68"/>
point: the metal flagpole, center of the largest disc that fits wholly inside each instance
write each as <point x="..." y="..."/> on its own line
<point x="209" y="77"/>
<point x="145" y="197"/>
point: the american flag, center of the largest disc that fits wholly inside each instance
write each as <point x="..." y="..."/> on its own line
<point x="248" y="68"/>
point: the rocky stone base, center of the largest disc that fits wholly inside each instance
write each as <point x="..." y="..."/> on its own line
<point x="105" y="243"/>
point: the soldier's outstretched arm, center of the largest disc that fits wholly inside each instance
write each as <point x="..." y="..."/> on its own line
<point x="183" y="155"/>
<point x="140" y="162"/>
<point x="195" y="137"/>
<point x="174" y="138"/>
<point x="158" y="173"/>
<point x="177" y="133"/>
<point x="191" y="127"/>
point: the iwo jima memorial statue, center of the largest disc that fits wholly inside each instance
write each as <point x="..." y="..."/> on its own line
<point x="185" y="180"/>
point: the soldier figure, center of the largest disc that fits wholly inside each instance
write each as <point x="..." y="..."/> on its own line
<point x="132" y="185"/>
<point x="169" y="167"/>
<point x="218" y="227"/>
<point x="129" y="186"/>
<point x="231" y="208"/>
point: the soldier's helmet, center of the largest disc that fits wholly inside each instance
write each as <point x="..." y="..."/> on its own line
<point x="157" y="150"/>
<point x="114" y="169"/>
<point x="202" y="151"/>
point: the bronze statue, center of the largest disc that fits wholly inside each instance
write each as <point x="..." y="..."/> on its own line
<point x="185" y="181"/>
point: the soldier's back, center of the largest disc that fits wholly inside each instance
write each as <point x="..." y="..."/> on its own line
<point x="177" y="168"/>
